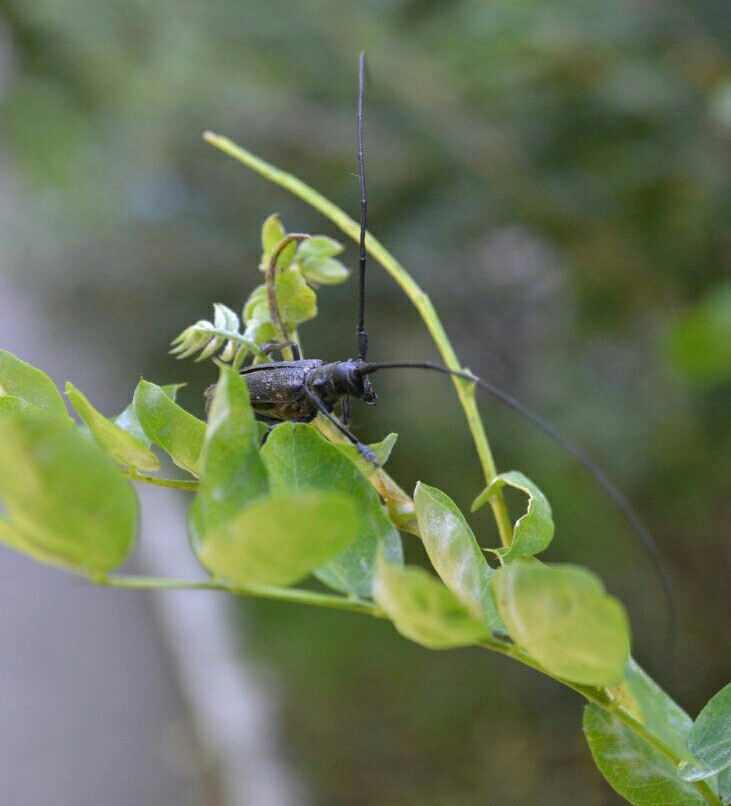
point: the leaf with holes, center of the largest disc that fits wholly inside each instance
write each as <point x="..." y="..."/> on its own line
<point x="532" y="532"/>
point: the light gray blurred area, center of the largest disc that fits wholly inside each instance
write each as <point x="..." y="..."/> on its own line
<point x="89" y="708"/>
<point x="111" y="697"/>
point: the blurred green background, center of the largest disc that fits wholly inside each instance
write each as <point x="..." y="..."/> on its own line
<point x="556" y="177"/>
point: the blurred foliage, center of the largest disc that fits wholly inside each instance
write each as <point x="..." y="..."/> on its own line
<point x="556" y="175"/>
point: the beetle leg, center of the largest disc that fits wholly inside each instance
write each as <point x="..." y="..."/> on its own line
<point x="364" y="450"/>
<point x="347" y="422"/>
<point x="270" y="347"/>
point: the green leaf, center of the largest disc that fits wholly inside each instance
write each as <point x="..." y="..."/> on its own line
<point x="63" y="495"/>
<point x="318" y="247"/>
<point x="423" y="610"/>
<point x="232" y="472"/>
<point x="256" y="306"/>
<point x="10" y="404"/>
<point x="168" y="425"/>
<point x="297" y="301"/>
<point x="650" y="705"/>
<point x="381" y="449"/>
<point x="299" y="459"/>
<point x="14" y="539"/>
<point x="272" y="233"/>
<point x="709" y="739"/>
<point x="562" y="616"/>
<point x="532" y="532"/>
<point x="115" y="441"/>
<point x="127" y="419"/>
<point x="280" y="540"/>
<point x="455" y="553"/>
<point x="724" y="785"/>
<point x="30" y="384"/>
<point x="324" y="271"/>
<point x="635" y="769"/>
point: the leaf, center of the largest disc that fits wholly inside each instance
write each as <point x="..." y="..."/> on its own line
<point x="422" y="609"/>
<point x="64" y="497"/>
<point x="272" y="233"/>
<point x="124" y="448"/>
<point x="256" y="306"/>
<point x="381" y="449"/>
<point x="455" y="554"/>
<point x="324" y="271"/>
<point x="562" y="616"/>
<point x="30" y="384"/>
<point x="14" y="539"/>
<point x="221" y="336"/>
<point x="10" y="404"/>
<point x="724" y="785"/>
<point x="297" y="301"/>
<point x="280" y="540"/>
<point x="299" y="459"/>
<point x="168" y="425"/>
<point x="641" y="695"/>
<point x="232" y="472"/>
<point x="127" y="419"/>
<point x="318" y="247"/>
<point x="709" y="739"/>
<point x="634" y="768"/>
<point x="532" y="532"/>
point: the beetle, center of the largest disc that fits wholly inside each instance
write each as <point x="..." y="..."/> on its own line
<point x="300" y="389"/>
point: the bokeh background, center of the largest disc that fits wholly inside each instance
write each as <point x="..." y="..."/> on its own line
<point x="554" y="174"/>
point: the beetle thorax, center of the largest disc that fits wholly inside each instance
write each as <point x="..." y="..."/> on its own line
<point x="339" y="378"/>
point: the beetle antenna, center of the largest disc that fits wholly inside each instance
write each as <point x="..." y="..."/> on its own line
<point x="620" y="500"/>
<point x="362" y="335"/>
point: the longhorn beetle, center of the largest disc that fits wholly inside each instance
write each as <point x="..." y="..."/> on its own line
<point x="300" y="389"/>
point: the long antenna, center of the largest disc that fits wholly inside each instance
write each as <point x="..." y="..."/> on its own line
<point x="617" y="496"/>
<point x="362" y="335"/>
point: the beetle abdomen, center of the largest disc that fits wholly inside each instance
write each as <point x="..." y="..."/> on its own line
<point x="277" y="390"/>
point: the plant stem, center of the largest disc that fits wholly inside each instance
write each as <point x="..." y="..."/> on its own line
<point x="296" y="595"/>
<point x="280" y="329"/>
<point x="419" y="299"/>
<point x="175" y="484"/>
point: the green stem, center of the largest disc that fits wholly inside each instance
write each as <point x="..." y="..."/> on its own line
<point x="175" y="484"/>
<point x="419" y="299"/>
<point x="270" y="282"/>
<point x="295" y="595"/>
